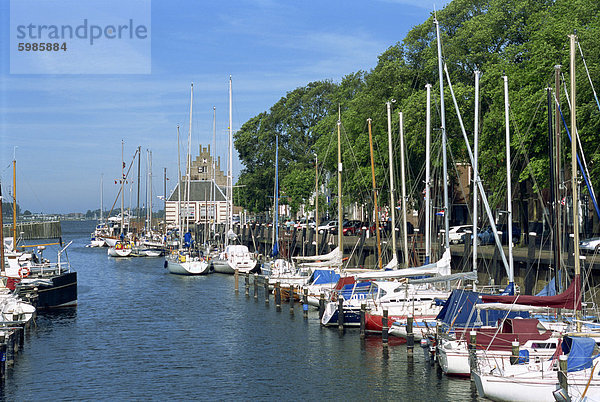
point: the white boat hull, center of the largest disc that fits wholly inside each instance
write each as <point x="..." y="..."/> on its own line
<point x="194" y="267"/>
<point x="124" y="252"/>
<point x="222" y="266"/>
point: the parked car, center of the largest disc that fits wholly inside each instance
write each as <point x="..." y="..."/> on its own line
<point x="328" y="226"/>
<point x="352" y="227"/>
<point x="456" y="234"/>
<point x="589" y="246"/>
<point x="486" y="236"/>
<point x="304" y="223"/>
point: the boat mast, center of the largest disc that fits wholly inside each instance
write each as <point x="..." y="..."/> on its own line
<point x="150" y="190"/>
<point x="475" y="169"/>
<point x="179" y="224"/>
<point x="553" y="206"/>
<point x="558" y="240"/>
<point x="443" y="126"/>
<point x="165" y="200"/>
<point x="101" y="195"/>
<point x="428" y="178"/>
<point x="230" y="167"/>
<point x="189" y="163"/>
<point x="122" y="189"/>
<point x="138" y="188"/>
<point x="402" y="168"/>
<point x="392" y="189"/>
<point x="511" y="272"/>
<point x="378" y="236"/>
<point x="275" y="251"/>
<point x="213" y="189"/>
<point x="316" y="204"/>
<point x="14" y="200"/>
<point x="339" y="174"/>
<point x="574" y="178"/>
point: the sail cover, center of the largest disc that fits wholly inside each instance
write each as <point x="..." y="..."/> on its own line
<point x="441" y="267"/>
<point x="569" y="299"/>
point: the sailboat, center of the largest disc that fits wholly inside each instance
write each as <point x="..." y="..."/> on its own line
<point x="234" y="256"/>
<point x="122" y="246"/>
<point x="184" y="261"/>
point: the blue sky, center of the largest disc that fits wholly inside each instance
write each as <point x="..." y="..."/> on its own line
<point x="68" y="128"/>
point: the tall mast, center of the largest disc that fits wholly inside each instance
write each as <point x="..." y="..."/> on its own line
<point x="189" y="163"/>
<point x="443" y="121"/>
<point x="553" y="206"/>
<point x="138" y="187"/>
<point x="403" y="180"/>
<point x="150" y="190"/>
<point x="14" y="201"/>
<point x="511" y="272"/>
<point x="213" y="189"/>
<point x="574" y="177"/>
<point x="122" y="189"/>
<point x="165" y="200"/>
<point x="392" y="189"/>
<point x="146" y="222"/>
<point x="316" y="204"/>
<point x="475" y="169"/>
<point x="558" y="239"/>
<point x="339" y="174"/>
<point x="179" y="225"/>
<point x="275" y="251"/>
<point x="379" y="263"/>
<point x="101" y="195"/>
<point x="428" y="178"/>
<point x="229" y="164"/>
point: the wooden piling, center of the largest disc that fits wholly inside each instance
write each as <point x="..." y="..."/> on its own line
<point x="236" y="281"/>
<point x="247" y="284"/>
<point x="363" y="312"/>
<point x="255" y="283"/>
<point x="410" y="335"/>
<point x="472" y="350"/>
<point x="384" y="327"/>
<point x="266" y="283"/>
<point x="321" y="306"/>
<point x="278" y="296"/>
<point x="292" y="299"/>
<point x="305" y="302"/>
<point x="10" y="352"/>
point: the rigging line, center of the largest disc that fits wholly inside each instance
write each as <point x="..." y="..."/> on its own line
<point x="588" y="75"/>
<point x="590" y="187"/>
<point x="585" y="177"/>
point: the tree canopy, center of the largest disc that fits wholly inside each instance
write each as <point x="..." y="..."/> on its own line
<point x="523" y="40"/>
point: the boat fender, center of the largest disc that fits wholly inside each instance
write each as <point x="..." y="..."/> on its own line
<point x="24" y="272"/>
<point x="118" y="246"/>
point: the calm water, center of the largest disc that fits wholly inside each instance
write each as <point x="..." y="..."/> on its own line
<point x="140" y="333"/>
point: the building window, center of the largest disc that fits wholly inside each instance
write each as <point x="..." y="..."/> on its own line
<point x="201" y="169"/>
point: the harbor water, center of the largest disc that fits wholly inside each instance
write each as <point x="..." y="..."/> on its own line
<point x="140" y="333"/>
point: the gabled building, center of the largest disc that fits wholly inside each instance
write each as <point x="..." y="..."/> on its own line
<point x="207" y="198"/>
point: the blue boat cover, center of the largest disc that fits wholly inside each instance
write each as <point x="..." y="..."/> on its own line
<point x="459" y="312"/>
<point x="361" y="291"/>
<point x="320" y="276"/>
<point x="580" y="352"/>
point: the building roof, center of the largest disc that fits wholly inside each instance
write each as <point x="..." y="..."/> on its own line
<point x="200" y="190"/>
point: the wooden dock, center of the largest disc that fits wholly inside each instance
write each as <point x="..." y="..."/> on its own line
<point x="35" y="230"/>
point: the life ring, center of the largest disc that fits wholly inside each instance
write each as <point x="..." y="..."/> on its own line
<point x="24" y="272"/>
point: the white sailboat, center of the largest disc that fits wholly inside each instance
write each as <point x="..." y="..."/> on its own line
<point x="233" y="257"/>
<point x="184" y="261"/>
<point x="122" y="247"/>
